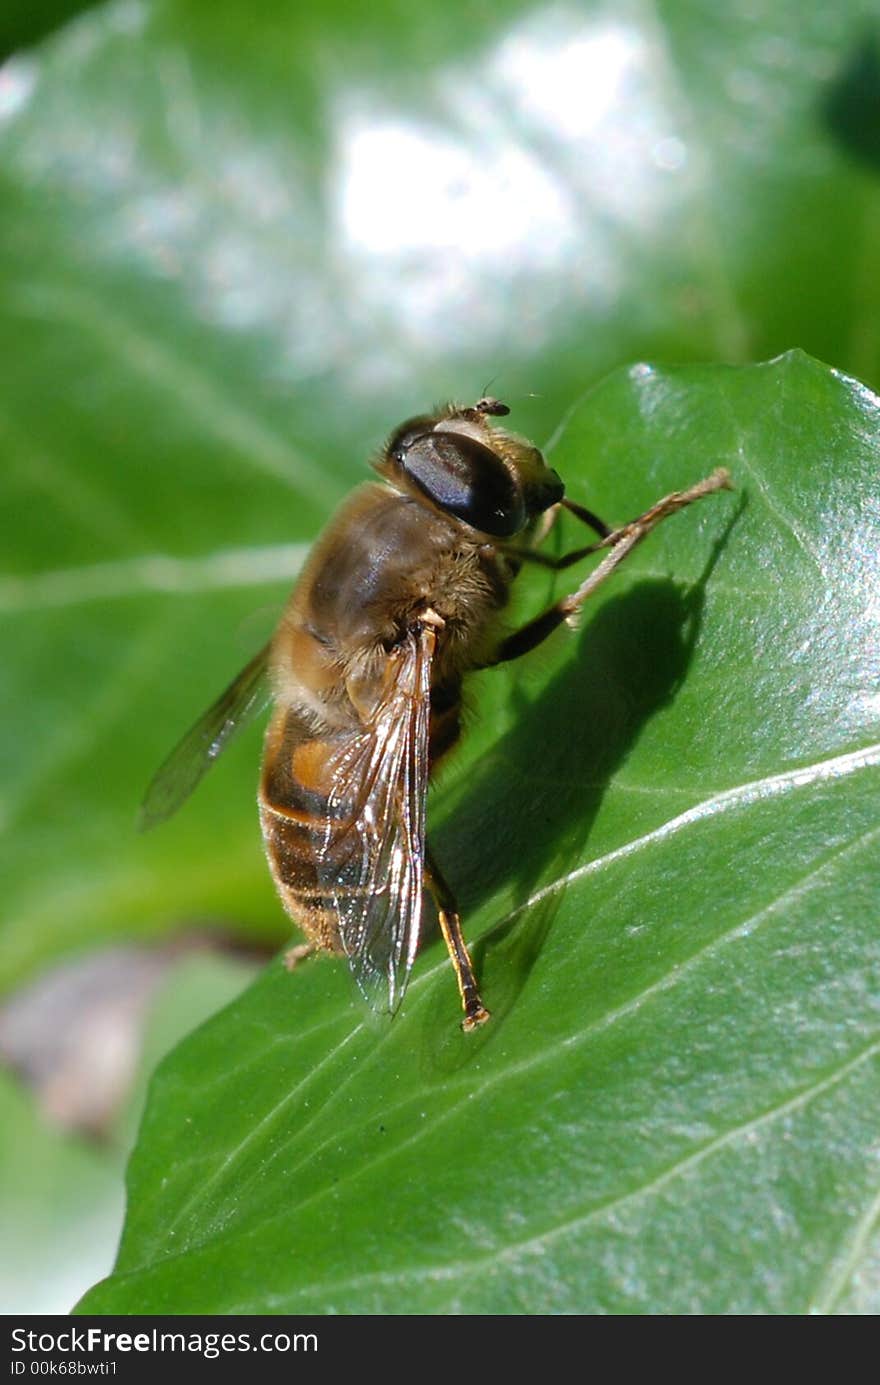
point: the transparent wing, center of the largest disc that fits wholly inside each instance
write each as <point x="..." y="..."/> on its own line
<point x="194" y="755"/>
<point x="372" y="862"/>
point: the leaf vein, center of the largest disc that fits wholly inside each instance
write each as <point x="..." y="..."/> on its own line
<point x="844" y="1266"/>
<point x="153" y="573"/>
<point x="741" y="795"/>
<point x="152" y="360"/>
<point x="605" y="1021"/>
<point x="536" y="1243"/>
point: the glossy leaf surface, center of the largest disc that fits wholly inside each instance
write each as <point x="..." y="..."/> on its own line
<point x="664" y="834"/>
<point x="237" y="246"/>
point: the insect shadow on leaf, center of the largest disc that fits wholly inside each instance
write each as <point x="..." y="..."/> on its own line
<point x="398" y="603"/>
<point x="527" y="817"/>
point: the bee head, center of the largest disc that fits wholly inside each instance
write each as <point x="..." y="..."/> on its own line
<point x="485" y="477"/>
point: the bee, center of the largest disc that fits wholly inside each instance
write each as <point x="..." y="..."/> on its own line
<point x="400" y="599"/>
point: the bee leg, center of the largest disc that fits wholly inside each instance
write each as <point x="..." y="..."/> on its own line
<point x="620" y="542"/>
<point x="587" y="517"/>
<point x="534" y="555"/>
<point x="545" y="524"/>
<point x="475" y="1012"/>
<point x="294" y="955"/>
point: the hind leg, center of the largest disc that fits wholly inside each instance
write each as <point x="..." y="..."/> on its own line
<point x="475" y="1012"/>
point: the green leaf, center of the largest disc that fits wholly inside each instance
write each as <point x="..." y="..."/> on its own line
<point x="239" y="244"/>
<point x="667" y="846"/>
<point x="24" y="22"/>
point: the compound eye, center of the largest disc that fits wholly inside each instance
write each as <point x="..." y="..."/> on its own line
<point x="465" y="478"/>
<point x="404" y="437"/>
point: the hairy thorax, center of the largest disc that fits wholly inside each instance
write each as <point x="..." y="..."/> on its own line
<point x="382" y="563"/>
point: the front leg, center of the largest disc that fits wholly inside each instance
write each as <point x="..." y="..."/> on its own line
<point x="620" y="542"/>
<point x="533" y="553"/>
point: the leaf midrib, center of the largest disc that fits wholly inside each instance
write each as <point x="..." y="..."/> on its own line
<point x="509" y="1072"/>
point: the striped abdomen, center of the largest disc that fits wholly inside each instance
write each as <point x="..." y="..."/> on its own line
<point x="307" y="832"/>
<point x="325" y="804"/>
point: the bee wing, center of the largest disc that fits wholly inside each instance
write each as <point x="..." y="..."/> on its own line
<point x="194" y="755"/>
<point x="376" y="875"/>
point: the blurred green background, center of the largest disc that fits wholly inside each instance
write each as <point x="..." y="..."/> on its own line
<point x="236" y="246"/>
